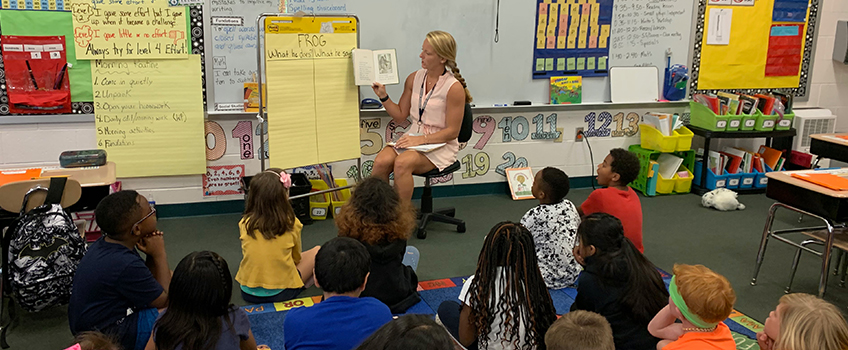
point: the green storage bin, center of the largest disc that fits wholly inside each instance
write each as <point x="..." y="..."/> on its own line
<point x="734" y="122"/>
<point x="765" y="122"/>
<point x="748" y="122"/>
<point x="664" y="186"/>
<point x="784" y="123"/>
<point x="703" y="117"/>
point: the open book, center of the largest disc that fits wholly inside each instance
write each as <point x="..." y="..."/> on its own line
<point x="421" y="148"/>
<point x="379" y="65"/>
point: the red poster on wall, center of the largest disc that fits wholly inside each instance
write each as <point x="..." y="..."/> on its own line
<point x="36" y="74"/>
<point x="222" y="180"/>
<point x="784" y="51"/>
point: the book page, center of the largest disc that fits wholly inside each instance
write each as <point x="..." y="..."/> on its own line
<point x="385" y="62"/>
<point x="363" y="67"/>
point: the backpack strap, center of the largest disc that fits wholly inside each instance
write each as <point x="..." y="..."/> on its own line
<point x="56" y="190"/>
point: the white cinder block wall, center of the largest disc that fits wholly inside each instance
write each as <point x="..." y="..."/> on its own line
<point x="829" y="85"/>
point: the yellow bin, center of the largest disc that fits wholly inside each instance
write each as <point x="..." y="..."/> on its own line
<point x="319" y="205"/>
<point x="345" y="195"/>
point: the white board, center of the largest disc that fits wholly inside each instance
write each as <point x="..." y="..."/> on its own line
<point x="642" y="31"/>
<point x="634" y="84"/>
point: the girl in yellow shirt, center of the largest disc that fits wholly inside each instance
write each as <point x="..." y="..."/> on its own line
<point x="274" y="267"/>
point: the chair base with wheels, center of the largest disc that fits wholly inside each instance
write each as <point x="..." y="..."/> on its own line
<point x="427" y="214"/>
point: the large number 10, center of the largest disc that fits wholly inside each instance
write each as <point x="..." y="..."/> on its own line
<point x="514" y="129"/>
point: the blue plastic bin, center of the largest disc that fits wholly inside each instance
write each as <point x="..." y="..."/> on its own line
<point x="713" y="181"/>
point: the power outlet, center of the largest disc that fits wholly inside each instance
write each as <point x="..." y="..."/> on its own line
<point x="578" y="135"/>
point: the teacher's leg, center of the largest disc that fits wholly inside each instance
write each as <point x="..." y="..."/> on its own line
<point x="406" y="164"/>
<point x="384" y="163"/>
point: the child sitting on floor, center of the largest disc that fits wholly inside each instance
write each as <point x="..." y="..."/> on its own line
<point x="701" y="299"/>
<point x="619" y="168"/>
<point x="554" y="227"/>
<point x="409" y="332"/>
<point x="200" y="314"/>
<point x="804" y="322"/>
<point x="343" y="320"/>
<point x="273" y="267"/>
<point x="580" y="330"/>
<point x="505" y="305"/>
<point x="376" y="217"/>
<point x="617" y="282"/>
<point x="116" y="292"/>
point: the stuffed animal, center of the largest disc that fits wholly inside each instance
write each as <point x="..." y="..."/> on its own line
<point x="721" y="199"/>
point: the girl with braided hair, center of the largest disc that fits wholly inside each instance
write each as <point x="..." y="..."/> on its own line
<point x="505" y="305"/>
<point x="200" y="315"/>
<point x="617" y="282"/>
<point x="435" y="98"/>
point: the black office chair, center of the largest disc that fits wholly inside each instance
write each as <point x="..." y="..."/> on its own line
<point x="445" y="215"/>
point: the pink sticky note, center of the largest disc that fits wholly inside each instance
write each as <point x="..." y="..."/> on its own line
<point x="551" y="42"/>
<point x="543" y="9"/>
<point x="586" y="9"/>
<point x="563" y="19"/>
<point x="562" y="31"/>
<point x="593" y="42"/>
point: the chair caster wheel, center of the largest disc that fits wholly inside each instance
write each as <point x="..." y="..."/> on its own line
<point x="460" y="228"/>
<point x="422" y="233"/>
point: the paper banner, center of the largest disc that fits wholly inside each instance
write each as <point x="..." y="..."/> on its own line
<point x="222" y="180"/>
<point x="784" y="52"/>
<point x="23" y="23"/>
<point x="314" y="117"/>
<point x="139" y="29"/>
<point x="149" y="115"/>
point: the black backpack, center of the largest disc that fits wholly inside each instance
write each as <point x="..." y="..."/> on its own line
<point x="45" y="248"/>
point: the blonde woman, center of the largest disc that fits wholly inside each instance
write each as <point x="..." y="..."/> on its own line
<point x="804" y="322"/>
<point x="436" y="103"/>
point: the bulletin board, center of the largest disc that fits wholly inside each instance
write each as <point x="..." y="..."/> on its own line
<point x="31" y="18"/>
<point x="313" y="116"/>
<point x="572" y="38"/>
<point x="770" y="54"/>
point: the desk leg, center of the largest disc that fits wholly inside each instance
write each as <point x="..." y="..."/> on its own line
<point x="828" y="247"/>
<point x="764" y="242"/>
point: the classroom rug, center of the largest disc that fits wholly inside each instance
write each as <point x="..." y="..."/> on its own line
<point x="266" y="320"/>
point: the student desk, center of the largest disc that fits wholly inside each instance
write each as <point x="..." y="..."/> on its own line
<point x="829" y="146"/>
<point x="829" y="206"/>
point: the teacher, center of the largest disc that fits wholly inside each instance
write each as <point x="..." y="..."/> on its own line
<point x="436" y="104"/>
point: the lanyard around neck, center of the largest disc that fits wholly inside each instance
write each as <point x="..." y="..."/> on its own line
<point x="421" y="106"/>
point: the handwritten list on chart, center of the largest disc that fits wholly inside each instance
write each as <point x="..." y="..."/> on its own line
<point x="642" y="31"/>
<point x="149" y="115"/>
<point x="128" y="29"/>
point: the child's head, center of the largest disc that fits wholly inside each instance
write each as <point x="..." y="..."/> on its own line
<point x="342" y="266"/>
<point x="580" y="330"/>
<point x="375" y="213"/>
<point x="550" y="185"/>
<point x="619" y="168"/>
<point x="94" y="341"/>
<point x="805" y="322"/>
<point x="508" y="267"/>
<point x="198" y="296"/>
<point x="605" y="249"/>
<point x="125" y="215"/>
<point x="409" y="332"/>
<point x="267" y="208"/>
<point x="701" y="296"/>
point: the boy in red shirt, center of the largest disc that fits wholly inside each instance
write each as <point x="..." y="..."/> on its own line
<point x="619" y="168"/>
<point x="701" y="299"/>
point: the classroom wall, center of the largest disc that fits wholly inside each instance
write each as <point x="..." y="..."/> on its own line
<point x="829" y="84"/>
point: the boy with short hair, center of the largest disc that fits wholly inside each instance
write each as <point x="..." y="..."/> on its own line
<point x="580" y="330"/>
<point x="343" y="319"/>
<point x="701" y="299"/>
<point x="619" y="168"/>
<point x="116" y="292"/>
<point x="554" y="227"/>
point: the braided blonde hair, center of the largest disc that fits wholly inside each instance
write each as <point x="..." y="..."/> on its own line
<point x="445" y="47"/>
